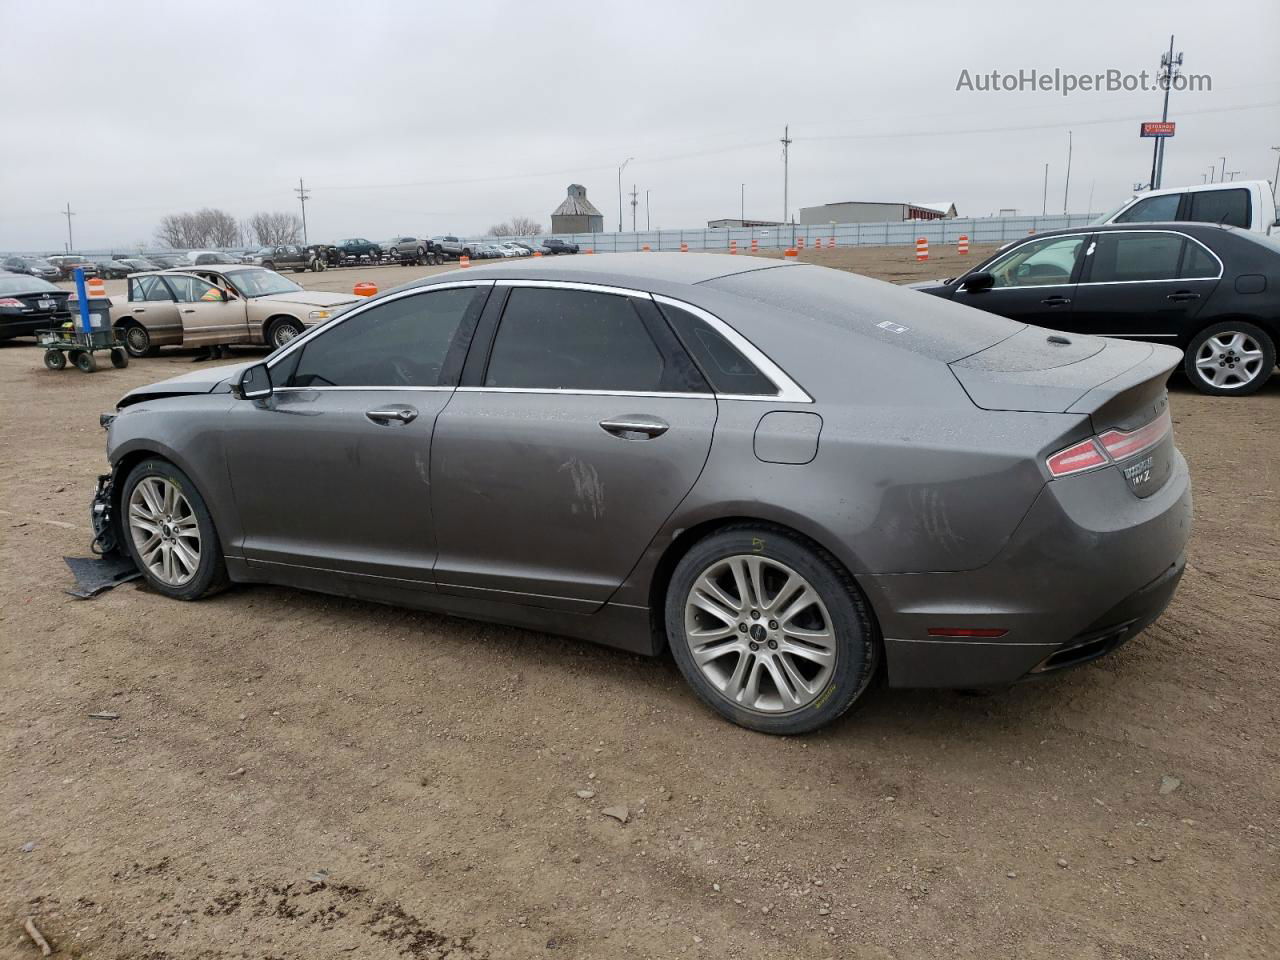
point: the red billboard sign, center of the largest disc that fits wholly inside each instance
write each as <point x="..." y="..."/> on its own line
<point x="1157" y="128"/>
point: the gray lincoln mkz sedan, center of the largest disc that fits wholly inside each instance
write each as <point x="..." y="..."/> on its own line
<point x="791" y="475"/>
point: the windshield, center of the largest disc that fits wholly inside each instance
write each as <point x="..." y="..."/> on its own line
<point x="24" y="285"/>
<point x="1106" y="217"/>
<point x="261" y="283"/>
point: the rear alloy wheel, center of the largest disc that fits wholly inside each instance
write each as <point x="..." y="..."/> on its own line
<point x="282" y="331"/>
<point x="769" y="631"/>
<point x="1230" y="358"/>
<point x="138" y="341"/>
<point x="170" y="534"/>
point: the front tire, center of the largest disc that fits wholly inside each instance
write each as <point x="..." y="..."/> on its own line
<point x="169" y="532"/>
<point x="55" y="359"/>
<point x="282" y="330"/>
<point x="1233" y="358"/>
<point x="769" y="630"/>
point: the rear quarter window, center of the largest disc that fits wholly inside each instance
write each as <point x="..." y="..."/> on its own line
<point x="1232" y="207"/>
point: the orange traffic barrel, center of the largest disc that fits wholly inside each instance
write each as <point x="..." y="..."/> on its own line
<point x="818" y="244"/>
<point x="684" y="248"/>
<point x="96" y="287"/>
<point x="365" y="289"/>
<point x="755" y="244"/>
<point x="962" y="245"/>
<point x="791" y="252"/>
<point x="799" y="243"/>
<point x="464" y="261"/>
<point x="645" y="248"/>
<point x="922" y="249"/>
<point x="537" y="253"/>
<point x="831" y="242"/>
<point x="591" y="249"/>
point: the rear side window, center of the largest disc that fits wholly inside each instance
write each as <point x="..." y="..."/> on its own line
<point x="574" y="340"/>
<point x="1121" y="257"/>
<point x="1197" y="262"/>
<point x="1152" y="210"/>
<point x="149" y="288"/>
<point x="723" y="364"/>
<point x="401" y="343"/>
<point x="1231" y="207"/>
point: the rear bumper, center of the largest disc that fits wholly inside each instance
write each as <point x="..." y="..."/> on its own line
<point x="1089" y="567"/>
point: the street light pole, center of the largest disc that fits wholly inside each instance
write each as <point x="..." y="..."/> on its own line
<point x="646" y="211"/>
<point x="621" y="167"/>
<point x="1276" y="179"/>
<point x="742" y="202"/>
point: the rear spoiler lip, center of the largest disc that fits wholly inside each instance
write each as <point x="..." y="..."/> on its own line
<point x="1153" y="371"/>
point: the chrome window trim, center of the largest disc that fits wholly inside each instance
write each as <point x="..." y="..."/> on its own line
<point x="574" y="392"/>
<point x="788" y="390"/>
<point x="378" y="388"/>
<point x="1105" y="283"/>
<point x="310" y="333"/>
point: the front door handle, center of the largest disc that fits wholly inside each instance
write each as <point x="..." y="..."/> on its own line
<point x="1183" y="295"/>
<point x="189" y="310"/>
<point x="389" y="415"/>
<point x="1056" y="301"/>
<point x="635" y="426"/>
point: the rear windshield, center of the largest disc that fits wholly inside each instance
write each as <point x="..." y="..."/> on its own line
<point x="24" y="285"/>
<point x="918" y="321"/>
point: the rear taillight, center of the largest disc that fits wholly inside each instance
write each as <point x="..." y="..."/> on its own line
<point x="1120" y="445"/>
<point x="1083" y="456"/>
<point x="1110" y="447"/>
<point x="11" y="302"/>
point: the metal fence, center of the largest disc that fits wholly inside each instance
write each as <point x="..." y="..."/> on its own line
<point x="977" y="229"/>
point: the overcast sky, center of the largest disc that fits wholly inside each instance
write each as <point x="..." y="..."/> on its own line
<point x="430" y="118"/>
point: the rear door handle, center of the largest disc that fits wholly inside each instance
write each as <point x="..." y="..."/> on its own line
<point x="1182" y="295"/>
<point x="1056" y="301"/>
<point x="390" y="415"/>
<point x="189" y="310"/>
<point x="635" y="426"/>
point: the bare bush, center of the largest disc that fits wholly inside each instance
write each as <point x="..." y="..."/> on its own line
<point x="203" y="228"/>
<point x="516" y="227"/>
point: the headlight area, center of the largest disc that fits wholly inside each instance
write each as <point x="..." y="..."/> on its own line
<point x="316" y="315"/>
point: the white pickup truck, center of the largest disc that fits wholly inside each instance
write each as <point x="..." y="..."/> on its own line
<point x="1247" y="204"/>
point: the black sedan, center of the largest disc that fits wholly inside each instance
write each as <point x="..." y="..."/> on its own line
<point x="1213" y="291"/>
<point x="28" y="304"/>
<point x="32" y="266"/>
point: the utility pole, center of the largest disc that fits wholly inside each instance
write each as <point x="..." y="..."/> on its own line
<point x="622" y="166"/>
<point x="1276" y="179"/>
<point x="1233" y="174"/>
<point x="1222" y="170"/>
<point x="786" y="173"/>
<point x="742" y="202"/>
<point x="1044" y="202"/>
<point x="646" y="211"/>
<point x="303" y="196"/>
<point x="1211" y="169"/>
<point x="1066" y="187"/>
<point x="1170" y="67"/>
<point x="68" y="214"/>
<point x="634" y="201"/>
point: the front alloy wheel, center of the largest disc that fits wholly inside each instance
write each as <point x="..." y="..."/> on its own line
<point x="282" y="331"/>
<point x="165" y="531"/>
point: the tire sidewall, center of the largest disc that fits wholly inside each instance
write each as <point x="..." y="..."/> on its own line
<point x="128" y="340"/>
<point x="275" y="328"/>
<point x="1240" y="326"/>
<point x="856" y="647"/>
<point x="211" y="569"/>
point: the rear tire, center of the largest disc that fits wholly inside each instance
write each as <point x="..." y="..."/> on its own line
<point x="1232" y="358"/>
<point x="55" y="359"/>
<point x="137" y="340"/>
<point x="824" y="652"/>
<point x="119" y="358"/>
<point x="188" y="524"/>
<point x="85" y="361"/>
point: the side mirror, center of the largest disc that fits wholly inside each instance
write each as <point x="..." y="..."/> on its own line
<point x="977" y="282"/>
<point x="254" y="382"/>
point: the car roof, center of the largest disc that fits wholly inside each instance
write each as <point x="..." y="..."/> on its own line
<point x="638" y="270"/>
<point x="1196" y="227"/>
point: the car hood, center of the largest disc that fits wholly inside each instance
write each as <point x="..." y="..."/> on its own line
<point x="310" y="298"/>
<point x="204" y="380"/>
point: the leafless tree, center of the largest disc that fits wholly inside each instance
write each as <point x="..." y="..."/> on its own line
<point x="517" y="227"/>
<point x="203" y="228"/>
<point x="278" y="227"/>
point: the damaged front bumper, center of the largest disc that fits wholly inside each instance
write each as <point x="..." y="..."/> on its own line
<point x="102" y="517"/>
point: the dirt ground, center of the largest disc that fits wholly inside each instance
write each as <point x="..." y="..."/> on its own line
<point x="296" y="776"/>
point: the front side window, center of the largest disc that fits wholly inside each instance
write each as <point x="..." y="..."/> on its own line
<point x="574" y="340"/>
<point x="1129" y="257"/>
<point x="400" y="343"/>
<point x="1221" y="206"/>
<point x="1038" y="263"/>
<point x="1152" y="210"/>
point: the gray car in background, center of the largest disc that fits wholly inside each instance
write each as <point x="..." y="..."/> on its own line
<point x="795" y="477"/>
